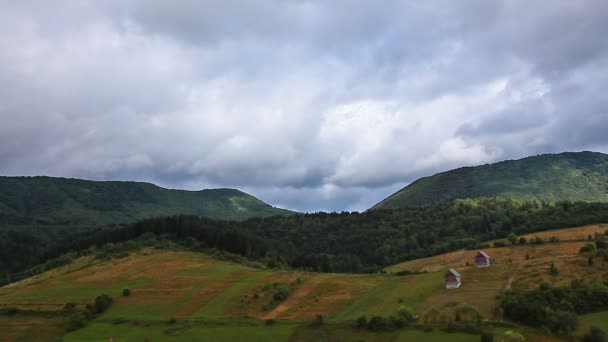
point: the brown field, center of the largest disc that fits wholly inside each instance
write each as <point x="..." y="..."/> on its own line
<point x="576" y="233"/>
<point x="329" y="296"/>
<point x="31" y="328"/>
<point x="459" y="259"/>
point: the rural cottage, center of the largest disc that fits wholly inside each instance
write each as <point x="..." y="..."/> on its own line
<point x="452" y="279"/>
<point x="482" y="259"/>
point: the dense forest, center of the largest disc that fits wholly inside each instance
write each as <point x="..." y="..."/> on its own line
<point x="326" y="242"/>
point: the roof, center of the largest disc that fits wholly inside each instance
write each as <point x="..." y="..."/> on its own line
<point x="453" y="271"/>
<point x="484" y="254"/>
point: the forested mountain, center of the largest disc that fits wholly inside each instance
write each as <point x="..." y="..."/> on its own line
<point x="570" y="176"/>
<point x="62" y="201"/>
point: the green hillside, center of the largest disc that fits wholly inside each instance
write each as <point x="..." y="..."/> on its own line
<point x="48" y="200"/>
<point x="572" y="176"/>
<point x="161" y="290"/>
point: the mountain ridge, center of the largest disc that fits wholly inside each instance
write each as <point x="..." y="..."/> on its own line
<point x="551" y="177"/>
<point x="58" y="200"/>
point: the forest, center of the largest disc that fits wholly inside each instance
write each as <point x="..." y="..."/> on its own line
<point x="326" y="242"/>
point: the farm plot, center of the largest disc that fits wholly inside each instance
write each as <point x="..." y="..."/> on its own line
<point x="480" y="287"/>
<point x="386" y="298"/>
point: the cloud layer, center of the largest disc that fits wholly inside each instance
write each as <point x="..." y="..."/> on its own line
<point x="309" y="105"/>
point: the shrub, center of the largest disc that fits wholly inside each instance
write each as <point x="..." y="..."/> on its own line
<point x="553" y="270"/>
<point x="77" y="320"/>
<point x="537" y="240"/>
<point x="379" y="323"/>
<point x="553" y="239"/>
<point x="102" y="303"/>
<point x="11" y="311"/>
<point x="362" y="322"/>
<point x="270" y="322"/>
<point x="522" y="240"/>
<point x="126" y="292"/>
<point x="405" y="312"/>
<point x="171" y="321"/>
<point x="587" y="248"/>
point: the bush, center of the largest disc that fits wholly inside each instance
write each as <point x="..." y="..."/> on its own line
<point x="405" y="312"/>
<point x="553" y="239"/>
<point x="362" y="322"/>
<point x="537" y="240"/>
<point x="171" y="321"/>
<point x="102" y="303"/>
<point x="587" y="248"/>
<point x="126" y="292"/>
<point x="77" y="320"/>
<point x="270" y="322"/>
<point x="522" y="240"/>
<point x="379" y="323"/>
<point x="11" y="311"/>
<point x="595" y="334"/>
<point x="553" y="270"/>
<point x="487" y="337"/>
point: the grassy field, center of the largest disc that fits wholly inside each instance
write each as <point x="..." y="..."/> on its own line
<point x="232" y="331"/>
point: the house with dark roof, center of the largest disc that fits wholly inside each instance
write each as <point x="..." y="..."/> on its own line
<point x="482" y="259"/>
<point x="452" y="279"/>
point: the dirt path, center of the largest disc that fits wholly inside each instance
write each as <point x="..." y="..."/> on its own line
<point x="295" y="298"/>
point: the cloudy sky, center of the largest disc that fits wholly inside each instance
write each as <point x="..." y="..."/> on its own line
<point x="308" y="105"/>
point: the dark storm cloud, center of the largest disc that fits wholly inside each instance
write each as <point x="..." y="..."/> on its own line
<point x="311" y="105"/>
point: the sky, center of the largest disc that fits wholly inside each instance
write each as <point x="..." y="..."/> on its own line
<point x="307" y="105"/>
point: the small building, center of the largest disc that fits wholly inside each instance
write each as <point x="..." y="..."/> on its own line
<point x="482" y="259"/>
<point x="452" y="279"/>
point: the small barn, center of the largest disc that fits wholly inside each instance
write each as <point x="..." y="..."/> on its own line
<point x="452" y="279"/>
<point x="482" y="259"/>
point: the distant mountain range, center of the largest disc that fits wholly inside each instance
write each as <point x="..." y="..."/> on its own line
<point x="573" y="176"/>
<point x="48" y="200"/>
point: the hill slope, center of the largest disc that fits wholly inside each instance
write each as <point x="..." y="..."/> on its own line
<point x="573" y="176"/>
<point x="48" y="200"/>
<point x="209" y="297"/>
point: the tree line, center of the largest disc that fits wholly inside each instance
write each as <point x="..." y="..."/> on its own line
<point x="327" y="242"/>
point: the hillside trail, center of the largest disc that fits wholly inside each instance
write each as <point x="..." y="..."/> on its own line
<point x="295" y="298"/>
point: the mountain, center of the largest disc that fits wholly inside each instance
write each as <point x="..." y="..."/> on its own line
<point x="49" y="200"/>
<point x="573" y="176"/>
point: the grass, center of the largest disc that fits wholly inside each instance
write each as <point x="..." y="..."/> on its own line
<point x="598" y="319"/>
<point x="221" y="304"/>
<point x="386" y="298"/>
<point x="228" y="332"/>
